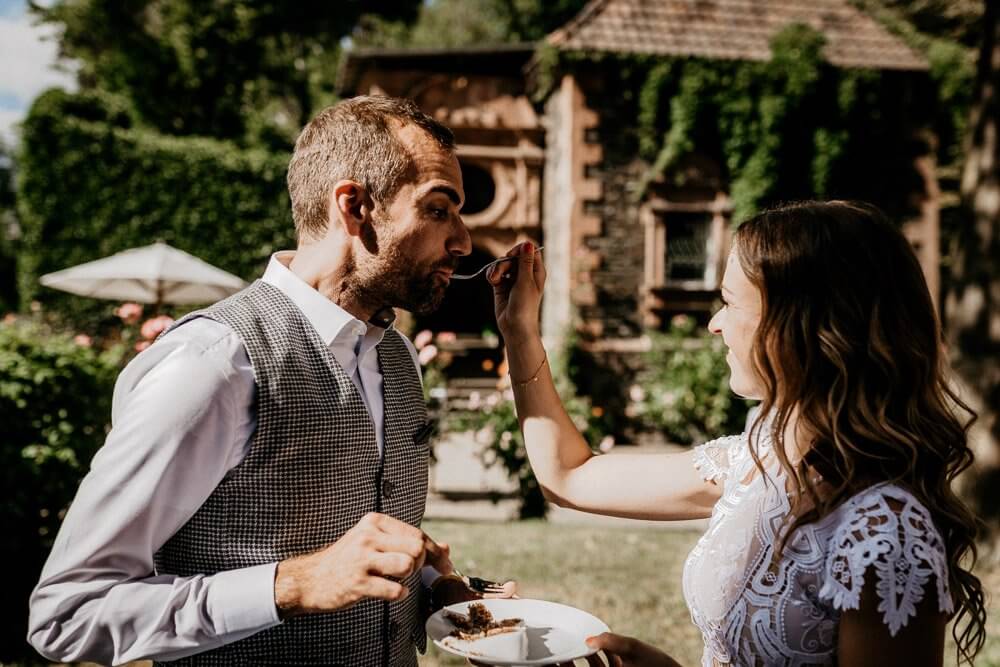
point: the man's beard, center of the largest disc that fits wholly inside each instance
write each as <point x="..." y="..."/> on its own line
<point x="395" y="280"/>
<point x="420" y="292"/>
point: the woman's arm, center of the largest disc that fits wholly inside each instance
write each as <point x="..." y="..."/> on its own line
<point x="663" y="487"/>
<point x="864" y="638"/>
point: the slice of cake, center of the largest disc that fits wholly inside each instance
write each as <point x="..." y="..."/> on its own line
<point x="479" y="634"/>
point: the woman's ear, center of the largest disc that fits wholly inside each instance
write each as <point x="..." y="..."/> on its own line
<point x="349" y="207"/>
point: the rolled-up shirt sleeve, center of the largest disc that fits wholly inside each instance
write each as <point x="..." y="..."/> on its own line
<point x="182" y="418"/>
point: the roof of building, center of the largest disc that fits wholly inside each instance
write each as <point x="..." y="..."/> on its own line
<point x="733" y="29"/>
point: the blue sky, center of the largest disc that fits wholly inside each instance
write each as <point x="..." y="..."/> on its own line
<point x="12" y="8"/>
<point x="28" y="54"/>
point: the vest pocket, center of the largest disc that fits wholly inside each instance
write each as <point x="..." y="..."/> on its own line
<point x="422" y="436"/>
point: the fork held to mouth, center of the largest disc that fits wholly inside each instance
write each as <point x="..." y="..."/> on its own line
<point x="456" y="276"/>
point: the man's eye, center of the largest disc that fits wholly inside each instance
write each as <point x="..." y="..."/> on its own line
<point x="440" y="213"/>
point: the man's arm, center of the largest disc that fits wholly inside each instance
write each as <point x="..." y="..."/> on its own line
<point x="182" y="417"/>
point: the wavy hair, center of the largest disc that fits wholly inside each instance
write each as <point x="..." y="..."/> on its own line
<point x="849" y="343"/>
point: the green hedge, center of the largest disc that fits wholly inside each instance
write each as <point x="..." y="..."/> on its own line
<point x="92" y="183"/>
<point x="55" y="407"/>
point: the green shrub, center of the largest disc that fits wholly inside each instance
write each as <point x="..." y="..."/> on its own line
<point x="683" y="390"/>
<point x="55" y="407"/>
<point x="92" y="184"/>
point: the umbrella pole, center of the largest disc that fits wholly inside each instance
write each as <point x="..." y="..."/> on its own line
<point x="159" y="298"/>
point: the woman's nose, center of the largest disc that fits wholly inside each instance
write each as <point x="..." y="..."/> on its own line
<point x="714" y="324"/>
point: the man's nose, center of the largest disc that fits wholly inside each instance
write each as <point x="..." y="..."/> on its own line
<point x="460" y="242"/>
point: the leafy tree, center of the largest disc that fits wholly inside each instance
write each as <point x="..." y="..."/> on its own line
<point x="955" y="20"/>
<point x="9" y="231"/>
<point x="231" y="69"/>
<point x="450" y="23"/>
<point x="973" y="303"/>
<point x="962" y="40"/>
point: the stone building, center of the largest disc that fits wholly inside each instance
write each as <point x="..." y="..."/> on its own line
<point x="555" y="169"/>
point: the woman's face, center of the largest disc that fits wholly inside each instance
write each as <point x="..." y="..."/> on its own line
<point x="737" y="323"/>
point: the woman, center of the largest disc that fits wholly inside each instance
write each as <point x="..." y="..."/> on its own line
<point x="835" y="536"/>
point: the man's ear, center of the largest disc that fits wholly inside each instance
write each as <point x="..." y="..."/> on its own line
<point x="349" y="207"/>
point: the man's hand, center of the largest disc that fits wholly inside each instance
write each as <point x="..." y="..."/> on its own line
<point x="628" y="652"/>
<point x="438" y="556"/>
<point x="361" y="564"/>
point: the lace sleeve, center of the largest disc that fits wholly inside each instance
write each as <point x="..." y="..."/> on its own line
<point x="712" y="459"/>
<point x="888" y="531"/>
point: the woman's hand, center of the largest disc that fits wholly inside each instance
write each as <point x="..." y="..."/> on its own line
<point x="628" y="652"/>
<point x="517" y="292"/>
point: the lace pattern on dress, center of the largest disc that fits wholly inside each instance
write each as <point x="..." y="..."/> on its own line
<point x="902" y="544"/>
<point x="753" y="610"/>
<point x="712" y="459"/>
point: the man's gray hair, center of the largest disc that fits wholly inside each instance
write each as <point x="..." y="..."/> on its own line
<point x="354" y="140"/>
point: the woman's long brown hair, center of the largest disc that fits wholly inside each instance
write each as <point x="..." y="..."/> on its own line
<point x="849" y="344"/>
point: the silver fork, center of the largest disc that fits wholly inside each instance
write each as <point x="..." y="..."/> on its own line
<point x="457" y="276"/>
<point x="484" y="586"/>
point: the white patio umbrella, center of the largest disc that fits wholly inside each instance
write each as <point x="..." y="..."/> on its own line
<point x="155" y="274"/>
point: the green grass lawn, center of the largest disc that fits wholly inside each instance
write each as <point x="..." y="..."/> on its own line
<point x="629" y="578"/>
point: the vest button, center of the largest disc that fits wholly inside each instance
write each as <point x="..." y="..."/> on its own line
<point x="387" y="488"/>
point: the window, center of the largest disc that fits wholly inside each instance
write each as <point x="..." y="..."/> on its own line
<point x="686" y="246"/>
<point x="480" y="189"/>
<point x="687" y="258"/>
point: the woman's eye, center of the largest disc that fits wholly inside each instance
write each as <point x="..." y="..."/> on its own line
<point x="440" y="213"/>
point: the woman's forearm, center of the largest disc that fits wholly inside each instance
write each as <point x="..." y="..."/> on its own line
<point x="555" y="446"/>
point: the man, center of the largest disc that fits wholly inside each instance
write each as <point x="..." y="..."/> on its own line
<point x="259" y="497"/>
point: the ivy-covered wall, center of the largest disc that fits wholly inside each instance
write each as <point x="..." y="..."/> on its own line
<point x="787" y="129"/>
<point x="791" y="128"/>
<point x="92" y="183"/>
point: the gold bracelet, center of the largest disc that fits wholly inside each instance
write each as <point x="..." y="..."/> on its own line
<point x="533" y="378"/>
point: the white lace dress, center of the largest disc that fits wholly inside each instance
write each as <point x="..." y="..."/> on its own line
<point x="751" y="612"/>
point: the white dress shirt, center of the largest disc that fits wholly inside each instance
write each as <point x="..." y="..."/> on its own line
<point x="182" y="417"/>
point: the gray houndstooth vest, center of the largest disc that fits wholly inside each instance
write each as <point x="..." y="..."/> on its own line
<point x="311" y="473"/>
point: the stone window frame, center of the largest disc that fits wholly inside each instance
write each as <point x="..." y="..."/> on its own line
<point x="654" y="215"/>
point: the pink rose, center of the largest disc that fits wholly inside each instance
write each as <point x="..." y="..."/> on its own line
<point x="83" y="340"/>
<point x="427" y="354"/>
<point x="153" y="327"/>
<point x="129" y="312"/>
<point x="422" y="339"/>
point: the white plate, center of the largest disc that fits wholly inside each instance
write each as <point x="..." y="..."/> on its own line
<point x="556" y="632"/>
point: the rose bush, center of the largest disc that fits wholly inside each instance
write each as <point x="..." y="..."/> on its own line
<point x="683" y="390"/>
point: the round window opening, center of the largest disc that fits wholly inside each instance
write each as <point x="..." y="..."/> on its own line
<point x="479" y="189"/>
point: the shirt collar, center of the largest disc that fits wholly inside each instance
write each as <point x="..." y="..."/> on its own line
<point x="330" y="320"/>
